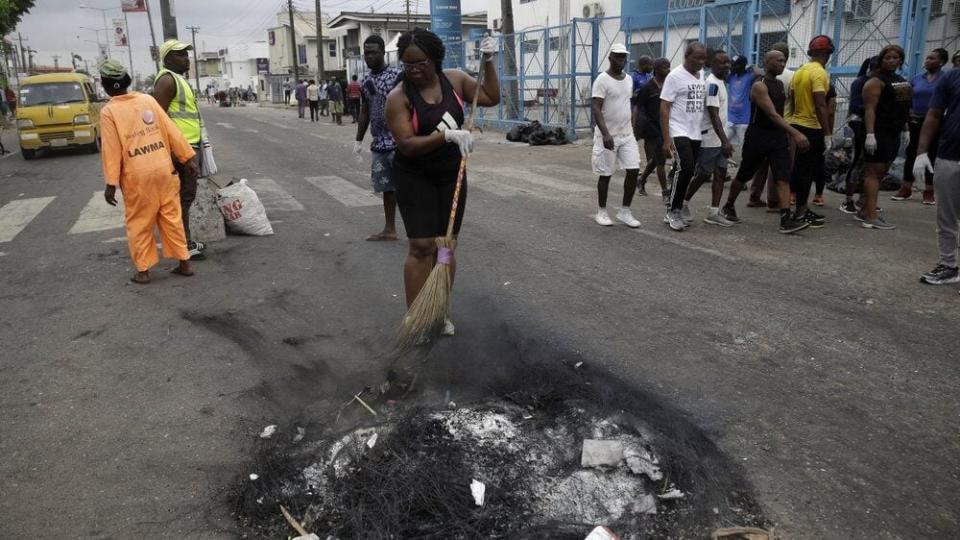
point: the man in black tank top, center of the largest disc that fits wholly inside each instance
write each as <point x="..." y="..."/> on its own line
<point x="767" y="140"/>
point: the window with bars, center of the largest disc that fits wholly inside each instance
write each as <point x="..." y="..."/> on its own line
<point x="531" y="45"/>
<point x="302" y="54"/>
<point x="332" y="49"/>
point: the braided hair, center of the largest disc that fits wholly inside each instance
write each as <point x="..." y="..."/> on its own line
<point x="426" y="41"/>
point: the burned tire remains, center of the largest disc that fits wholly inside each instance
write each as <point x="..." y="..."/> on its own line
<point x="554" y="459"/>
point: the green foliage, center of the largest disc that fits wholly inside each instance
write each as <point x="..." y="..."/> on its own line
<point x="10" y="13"/>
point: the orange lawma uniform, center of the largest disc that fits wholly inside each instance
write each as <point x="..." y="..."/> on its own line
<point x="137" y="140"/>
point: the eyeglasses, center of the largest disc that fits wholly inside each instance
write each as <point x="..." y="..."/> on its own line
<point x="418" y="66"/>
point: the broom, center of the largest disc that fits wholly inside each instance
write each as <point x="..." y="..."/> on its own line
<point x="432" y="305"/>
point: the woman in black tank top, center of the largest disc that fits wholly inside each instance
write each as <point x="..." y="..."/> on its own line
<point x="886" y="98"/>
<point x="425" y="114"/>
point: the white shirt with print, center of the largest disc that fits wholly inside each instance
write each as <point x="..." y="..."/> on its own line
<point x="687" y="92"/>
<point x="716" y="97"/>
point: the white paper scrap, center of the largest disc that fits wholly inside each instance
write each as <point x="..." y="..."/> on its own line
<point x="478" y="489"/>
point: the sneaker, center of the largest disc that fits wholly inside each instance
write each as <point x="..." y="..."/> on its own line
<point x="448" y="328"/>
<point x="789" y="224"/>
<point x="730" y="213"/>
<point x="848" y="207"/>
<point x="686" y="214"/>
<point x="815" y="220"/>
<point x="928" y="197"/>
<point x="199" y="246"/>
<point x="818" y="200"/>
<point x="902" y="194"/>
<point x="859" y="216"/>
<point x="717" y="219"/>
<point x="879" y="224"/>
<point x="756" y="203"/>
<point x="194" y="249"/>
<point x="673" y="219"/>
<point x="941" y="275"/>
<point x="625" y="216"/>
<point x="602" y="218"/>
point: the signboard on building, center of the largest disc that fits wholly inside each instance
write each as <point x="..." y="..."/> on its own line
<point x="263" y="66"/>
<point x="446" y="22"/>
<point x="133" y="6"/>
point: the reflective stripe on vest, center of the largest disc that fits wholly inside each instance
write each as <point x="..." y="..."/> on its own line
<point x="183" y="108"/>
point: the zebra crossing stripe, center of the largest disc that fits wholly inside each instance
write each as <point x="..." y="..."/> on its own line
<point x="274" y="197"/>
<point x="345" y="192"/>
<point x="541" y="180"/>
<point x="97" y="215"/>
<point x="17" y="214"/>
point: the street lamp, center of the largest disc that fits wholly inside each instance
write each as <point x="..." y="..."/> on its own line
<point x="103" y="13"/>
<point x="126" y="24"/>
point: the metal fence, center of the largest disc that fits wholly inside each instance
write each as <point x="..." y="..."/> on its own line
<point x="546" y="73"/>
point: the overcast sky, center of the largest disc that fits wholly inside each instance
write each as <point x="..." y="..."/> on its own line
<point x="53" y="27"/>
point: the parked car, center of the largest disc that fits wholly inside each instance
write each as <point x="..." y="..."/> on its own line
<point x="58" y="110"/>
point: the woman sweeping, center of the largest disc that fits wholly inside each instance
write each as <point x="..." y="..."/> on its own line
<point x="425" y="113"/>
<point x="137" y="142"/>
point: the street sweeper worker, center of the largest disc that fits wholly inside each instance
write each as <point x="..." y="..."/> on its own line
<point x="425" y="113"/>
<point x="137" y="141"/>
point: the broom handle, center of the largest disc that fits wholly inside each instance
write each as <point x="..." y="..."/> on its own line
<point x="463" y="159"/>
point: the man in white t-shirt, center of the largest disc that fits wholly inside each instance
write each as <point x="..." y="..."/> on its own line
<point x="613" y="142"/>
<point x="682" y="101"/>
<point x="716" y="149"/>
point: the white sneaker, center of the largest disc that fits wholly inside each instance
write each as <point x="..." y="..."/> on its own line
<point x="718" y="219"/>
<point x="448" y="328"/>
<point x="686" y="214"/>
<point x="602" y="218"/>
<point x="674" y="220"/>
<point x="625" y="216"/>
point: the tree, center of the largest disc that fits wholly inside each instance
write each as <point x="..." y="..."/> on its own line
<point x="11" y="11"/>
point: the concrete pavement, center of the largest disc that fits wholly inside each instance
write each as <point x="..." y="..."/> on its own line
<point x="815" y="361"/>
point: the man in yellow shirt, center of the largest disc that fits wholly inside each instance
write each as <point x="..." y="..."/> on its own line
<point x="809" y="114"/>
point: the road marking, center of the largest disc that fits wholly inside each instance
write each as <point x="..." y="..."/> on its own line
<point x="274" y="140"/>
<point x="683" y="243"/>
<point x="279" y="125"/>
<point x="541" y="180"/>
<point x="115" y="240"/>
<point x="17" y="214"/>
<point x="5" y="156"/>
<point x="251" y="130"/>
<point x="97" y="215"/>
<point x="274" y="197"/>
<point x="225" y="124"/>
<point x="345" y="192"/>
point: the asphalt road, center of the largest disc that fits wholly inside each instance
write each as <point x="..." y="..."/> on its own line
<point x="817" y="361"/>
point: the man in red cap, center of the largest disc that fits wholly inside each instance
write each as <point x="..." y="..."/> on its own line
<point x="810" y="115"/>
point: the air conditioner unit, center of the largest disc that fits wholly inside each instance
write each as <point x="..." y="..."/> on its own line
<point x="498" y="24"/>
<point x="858" y="10"/>
<point x="593" y="10"/>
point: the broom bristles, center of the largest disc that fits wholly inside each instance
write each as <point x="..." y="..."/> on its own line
<point x="429" y="308"/>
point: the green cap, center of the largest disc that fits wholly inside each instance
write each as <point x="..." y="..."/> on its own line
<point x="112" y="69"/>
<point x="171" y="45"/>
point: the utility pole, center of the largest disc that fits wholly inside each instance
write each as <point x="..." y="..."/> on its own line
<point x="196" y="66"/>
<point x="510" y="57"/>
<point x="126" y="27"/>
<point x="169" y="19"/>
<point x="56" y="61"/>
<point x="407" y="3"/>
<point x="293" y="44"/>
<point x="153" y="36"/>
<point x="320" y="70"/>
<point x="23" y="52"/>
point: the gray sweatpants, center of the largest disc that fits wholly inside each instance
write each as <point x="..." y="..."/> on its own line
<point x="946" y="187"/>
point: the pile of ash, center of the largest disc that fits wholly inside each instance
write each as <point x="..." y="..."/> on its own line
<point x="419" y="475"/>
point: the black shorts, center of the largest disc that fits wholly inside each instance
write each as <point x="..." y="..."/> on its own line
<point x="888" y="146"/>
<point x="654" y="137"/>
<point x="760" y="145"/>
<point x="425" y="204"/>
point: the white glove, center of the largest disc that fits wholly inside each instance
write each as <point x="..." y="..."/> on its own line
<point x="921" y="166"/>
<point x="488" y="46"/>
<point x="358" y="151"/>
<point x="827" y="144"/>
<point x="904" y="139"/>
<point x="460" y="137"/>
<point x="870" y="145"/>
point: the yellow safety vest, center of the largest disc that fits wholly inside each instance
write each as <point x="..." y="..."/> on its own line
<point x="183" y="108"/>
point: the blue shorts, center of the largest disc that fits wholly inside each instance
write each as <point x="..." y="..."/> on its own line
<point x="381" y="172"/>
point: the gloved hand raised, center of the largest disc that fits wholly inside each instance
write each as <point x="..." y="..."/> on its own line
<point x="460" y="137"/>
<point x="488" y="46"/>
